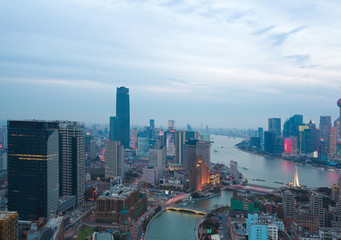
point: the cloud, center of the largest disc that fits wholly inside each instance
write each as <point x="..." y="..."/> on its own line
<point x="279" y="38"/>
<point x="264" y="30"/>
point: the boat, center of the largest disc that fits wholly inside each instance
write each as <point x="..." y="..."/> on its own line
<point x="279" y="182"/>
<point x="215" y="150"/>
<point x="245" y="168"/>
<point x="222" y="147"/>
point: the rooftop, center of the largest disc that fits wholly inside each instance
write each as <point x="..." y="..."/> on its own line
<point x="119" y="191"/>
<point x="6" y="214"/>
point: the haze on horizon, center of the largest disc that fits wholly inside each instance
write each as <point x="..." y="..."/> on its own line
<point x="225" y="64"/>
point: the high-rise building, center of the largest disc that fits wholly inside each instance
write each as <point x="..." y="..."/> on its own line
<point x="316" y="204"/>
<point x="189" y="153"/>
<point x="123" y="116"/>
<point x="325" y="126"/>
<point x="180" y="138"/>
<point x="142" y="146"/>
<point x="314" y="136"/>
<point x="274" y="125"/>
<point x="291" y="126"/>
<point x="157" y="159"/>
<point x="72" y="160"/>
<point x="171" y="124"/>
<point x="260" y="135"/>
<point x="114" y="129"/>
<point x="332" y="142"/>
<point x="189" y="128"/>
<point x="152" y="124"/>
<point x="234" y="170"/>
<point x="255" y="229"/>
<point x="114" y="159"/>
<point x="33" y="163"/>
<point x="3" y="137"/>
<point x="304" y="138"/>
<point x="203" y="148"/>
<point x="288" y="204"/>
<point x="199" y="175"/>
<point x="269" y="141"/>
<point x="8" y="225"/>
<point x="170" y="143"/>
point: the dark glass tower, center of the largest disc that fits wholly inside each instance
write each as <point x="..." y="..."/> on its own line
<point x="123" y="116"/>
<point x="33" y="168"/>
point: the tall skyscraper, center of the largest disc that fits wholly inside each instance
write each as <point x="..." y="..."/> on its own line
<point x="171" y="125"/>
<point x="203" y="148"/>
<point x="189" y="153"/>
<point x="260" y="135"/>
<point x="72" y="160"/>
<point x="114" y="159"/>
<point x="324" y="131"/>
<point x="33" y="163"/>
<point x="120" y="126"/>
<point x="291" y="126"/>
<point x="170" y="143"/>
<point x="269" y="141"/>
<point x="275" y="125"/>
<point x="152" y="124"/>
<point x="180" y="138"/>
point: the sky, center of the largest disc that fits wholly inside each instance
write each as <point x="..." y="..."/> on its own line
<point x="228" y="64"/>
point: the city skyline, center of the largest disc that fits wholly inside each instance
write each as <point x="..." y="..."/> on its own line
<point x="216" y="63"/>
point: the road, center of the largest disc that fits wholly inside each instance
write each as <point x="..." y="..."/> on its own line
<point x="223" y="233"/>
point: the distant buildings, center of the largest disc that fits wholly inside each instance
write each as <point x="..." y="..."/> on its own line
<point x="274" y="125"/>
<point x="157" y="159"/>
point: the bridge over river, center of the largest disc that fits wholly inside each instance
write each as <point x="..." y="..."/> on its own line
<point x="188" y="210"/>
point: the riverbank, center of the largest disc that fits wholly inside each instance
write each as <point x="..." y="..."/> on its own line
<point x="208" y="197"/>
<point x="151" y="220"/>
<point x="321" y="166"/>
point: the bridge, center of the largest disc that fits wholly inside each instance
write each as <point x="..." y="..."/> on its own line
<point x="189" y="210"/>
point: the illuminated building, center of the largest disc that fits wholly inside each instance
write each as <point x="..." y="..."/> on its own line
<point x="180" y="138"/>
<point x="110" y="204"/>
<point x="274" y="125"/>
<point x="302" y="137"/>
<point x="33" y="176"/>
<point x="72" y="160"/>
<point x="8" y="225"/>
<point x="171" y="125"/>
<point x="120" y="125"/>
<point x="170" y="143"/>
<point x="194" y="148"/>
<point x="199" y="175"/>
<point x="114" y="159"/>
<point x="215" y="179"/>
<point x="288" y="145"/>
<point x="336" y="193"/>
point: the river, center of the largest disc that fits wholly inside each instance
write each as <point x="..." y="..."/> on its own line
<point x="174" y="225"/>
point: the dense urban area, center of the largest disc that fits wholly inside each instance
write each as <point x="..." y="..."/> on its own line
<point x="70" y="180"/>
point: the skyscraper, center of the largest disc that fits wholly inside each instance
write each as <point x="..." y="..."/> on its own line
<point x="33" y="163"/>
<point x="171" y="125"/>
<point x="72" y="160"/>
<point x="275" y="125"/>
<point x="114" y="159"/>
<point x="288" y="204"/>
<point x="325" y="126"/>
<point x="291" y="126"/>
<point x="199" y="175"/>
<point x="121" y="123"/>
<point x="157" y="159"/>
<point x="180" y="137"/>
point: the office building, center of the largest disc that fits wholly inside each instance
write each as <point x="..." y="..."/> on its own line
<point x="114" y="159"/>
<point x="274" y="125"/>
<point x="260" y="135"/>
<point x="170" y="144"/>
<point x="180" y="138"/>
<point x="189" y="153"/>
<point x="234" y="170"/>
<point x="3" y="137"/>
<point x="3" y="161"/>
<point x="291" y="126"/>
<point x="152" y="124"/>
<point x="269" y="141"/>
<point x="314" y="136"/>
<point x="316" y="206"/>
<point x="324" y="128"/>
<point x="199" y="176"/>
<point x="171" y="125"/>
<point x="157" y="159"/>
<point x="255" y="229"/>
<point x="33" y="163"/>
<point x="332" y="142"/>
<point x="120" y="125"/>
<point x="190" y="135"/>
<point x="72" y="160"/>
<point x="150" y="175"/>
<point x="142" y="146"/>
<point x="8" y="225"/>
<point x="288" y="204"/>
<point x="203" y="148"/>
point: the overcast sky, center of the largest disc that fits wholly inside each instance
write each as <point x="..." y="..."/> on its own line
<point x="222" y="63"/>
